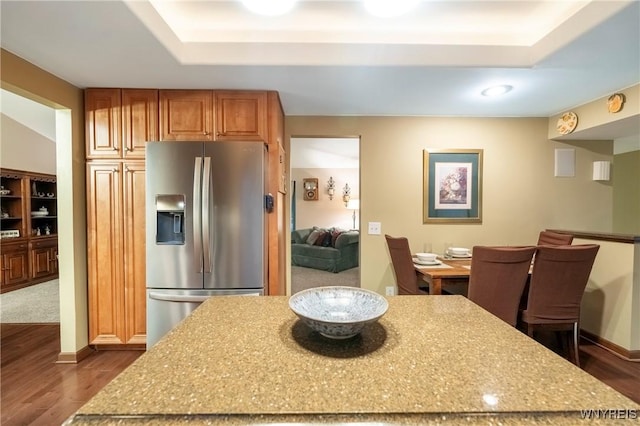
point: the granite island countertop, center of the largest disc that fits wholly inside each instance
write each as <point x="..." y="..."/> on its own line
<point x="428" y="360"/>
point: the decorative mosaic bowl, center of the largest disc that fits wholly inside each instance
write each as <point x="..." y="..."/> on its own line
<point x="338" y="312"/>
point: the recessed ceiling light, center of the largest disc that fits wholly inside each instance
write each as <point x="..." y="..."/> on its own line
<point x="269" y="7"/>
<point x="389" y="8"/>
<point x="497" y="90"/>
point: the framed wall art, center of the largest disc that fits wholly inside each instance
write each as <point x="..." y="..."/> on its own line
<point x="452" y="186"/>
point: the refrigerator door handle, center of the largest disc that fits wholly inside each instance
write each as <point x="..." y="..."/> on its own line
<point x="178" y="297"/>
<point x="206" y="194"/>
<point x="197" y="213"/>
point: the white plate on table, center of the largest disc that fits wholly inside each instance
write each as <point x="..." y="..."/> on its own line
<point x="461" y="256"/>
<point x="426" y="262"/>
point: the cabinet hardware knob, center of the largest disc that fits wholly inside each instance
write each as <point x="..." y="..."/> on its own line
<point x="115" y="148"/>
<point x="205" y="133"/>
<point x="114" y="170"/>
<point x="126" y="148"/>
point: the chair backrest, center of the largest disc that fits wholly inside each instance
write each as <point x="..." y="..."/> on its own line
<point x="550" y="238"/>
<point x="497" y="279"/>
<point x="406" y="276"/>
<point x="558" y="279"/>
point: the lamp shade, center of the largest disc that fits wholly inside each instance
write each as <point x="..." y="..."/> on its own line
<point x="353" y="204"/>
<point x="601" y="170"/>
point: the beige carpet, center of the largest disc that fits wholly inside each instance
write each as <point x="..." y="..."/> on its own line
<point x="38" y="303"/>
<point x="304" y="278"/>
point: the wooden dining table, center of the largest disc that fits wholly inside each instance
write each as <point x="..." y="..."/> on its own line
<point x="452" y="273"/>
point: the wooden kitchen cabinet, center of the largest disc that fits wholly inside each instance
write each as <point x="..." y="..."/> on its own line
<point x="139" y="121"/>
<point x="118" y="122"/>
<point x="186" y="115"/>
<point x="241" y="115"/>
<point x="15" y="265"/>
<point x="103" y="123"/>
<point x="116" y="252"/>
<point x="213" y="115"/>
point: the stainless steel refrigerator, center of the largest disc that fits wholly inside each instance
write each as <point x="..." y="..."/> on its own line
<point x="205" y="226"/>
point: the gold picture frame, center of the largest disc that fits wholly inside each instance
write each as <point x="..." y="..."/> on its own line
<point x="452" y="186"/>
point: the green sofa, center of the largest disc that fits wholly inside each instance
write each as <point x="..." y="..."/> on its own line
<point x="342" y="255"/>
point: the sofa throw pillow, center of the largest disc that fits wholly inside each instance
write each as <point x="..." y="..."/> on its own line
<point x="326" y="239"/>
<point x="334" y="236"/>
<point x="313" y="237"/>
<point x="320" y="238"/>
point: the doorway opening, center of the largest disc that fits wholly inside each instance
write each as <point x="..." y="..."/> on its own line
<point x="324" y="197"/>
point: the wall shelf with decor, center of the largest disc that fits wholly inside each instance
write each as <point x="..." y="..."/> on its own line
<point x="28" y="227"/>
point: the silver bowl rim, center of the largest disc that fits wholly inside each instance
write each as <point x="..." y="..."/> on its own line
<point x="382" y="299"/>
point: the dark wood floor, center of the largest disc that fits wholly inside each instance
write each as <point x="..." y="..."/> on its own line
<point x="37" y="391"/>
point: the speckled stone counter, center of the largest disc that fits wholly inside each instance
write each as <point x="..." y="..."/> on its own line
<point x="429" y="360"/>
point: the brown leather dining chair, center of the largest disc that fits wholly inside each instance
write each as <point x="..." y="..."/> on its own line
<point x="497" y="279"/>
<point x="407" y="278"/>
<point x="558" y="279"/>
<point x="550" y="238"/>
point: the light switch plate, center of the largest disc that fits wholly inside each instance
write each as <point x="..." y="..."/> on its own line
<point x="375" y="228"/>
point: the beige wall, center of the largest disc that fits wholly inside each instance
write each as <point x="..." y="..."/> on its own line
<point x="611" y="303"/>
<point x="521" y="196"/>
<point x="625" y="174"/>
<point x="325" y="213"/>
<point x="27" y="80"/>
<point x="624" y="128"/>
<point x="23" y="149"/>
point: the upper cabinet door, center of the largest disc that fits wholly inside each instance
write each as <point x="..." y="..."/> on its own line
<point x="186" y="115"/>
<point x="241" y="115"/>
<point x="139" y="120"/>
<point x="102" y="116"/>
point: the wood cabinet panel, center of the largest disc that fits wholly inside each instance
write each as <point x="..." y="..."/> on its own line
<point x="139" y="121"/>
<point x="44" y="262"/>
<point x="134" y="254"/>
<point x="116" y="226"/>
<point x="15" y="265"/>
<point x="103" y="123"/>
<point x="186" y="115"/>
<point x="277" y="224"/>
<point x="106" y="316"/>
<point x="241" y="115"/>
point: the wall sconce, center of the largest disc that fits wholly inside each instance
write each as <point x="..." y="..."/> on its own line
<point x="310" y="189"/>
<point x="346" y="194"/>
<point x="601" y="170"/>
<point x="331" y="187"/>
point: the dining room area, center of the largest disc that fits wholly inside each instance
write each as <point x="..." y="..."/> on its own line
<point x="537" y="289"/>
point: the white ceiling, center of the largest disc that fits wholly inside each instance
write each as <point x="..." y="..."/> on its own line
<point x="325" y="153"/>
<point x="330" y="58"/>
